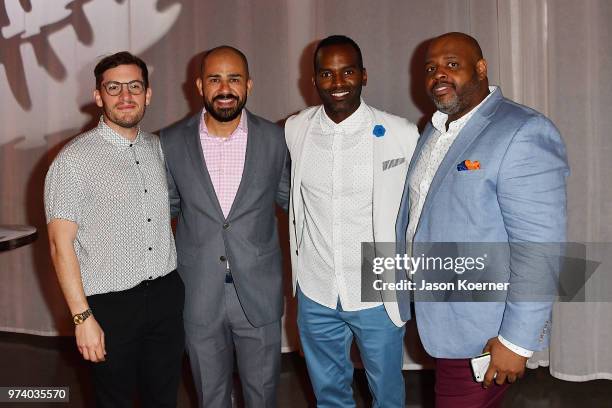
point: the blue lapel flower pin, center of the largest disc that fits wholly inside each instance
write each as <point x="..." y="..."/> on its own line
<point x="379" y="131"/>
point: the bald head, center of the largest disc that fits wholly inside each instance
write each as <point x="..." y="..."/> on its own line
<point x="466" y="42"/>
<point x="224" y="50"/>
<point x="455" y="74"/>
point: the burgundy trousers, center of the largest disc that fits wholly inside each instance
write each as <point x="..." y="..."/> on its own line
<point x="456" y="388"/>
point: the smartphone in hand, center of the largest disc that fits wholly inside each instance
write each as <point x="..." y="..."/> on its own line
<point x="479" y="365"/>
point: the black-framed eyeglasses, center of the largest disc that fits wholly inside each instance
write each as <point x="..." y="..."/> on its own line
<point x="113" y="88"/>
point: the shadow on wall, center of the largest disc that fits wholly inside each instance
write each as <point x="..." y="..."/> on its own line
<point x="190" y="91"/>
<point x="305" y="85"/>
<point x="418" y="95"/>
<point x="13" y="35"/>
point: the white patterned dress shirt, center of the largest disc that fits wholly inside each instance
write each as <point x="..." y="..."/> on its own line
<point x="337" y="198"/>
<point x="115" y="190"/>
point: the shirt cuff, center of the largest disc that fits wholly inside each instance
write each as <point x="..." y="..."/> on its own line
<point x="517" y="349"/>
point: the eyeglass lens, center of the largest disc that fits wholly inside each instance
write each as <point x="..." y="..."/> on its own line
<point x="113" y="88"/>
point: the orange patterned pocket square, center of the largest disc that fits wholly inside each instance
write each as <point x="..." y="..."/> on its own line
<point x="467" y="165"/>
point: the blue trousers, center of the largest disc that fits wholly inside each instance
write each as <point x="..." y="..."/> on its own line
<point x="327" y="334"/>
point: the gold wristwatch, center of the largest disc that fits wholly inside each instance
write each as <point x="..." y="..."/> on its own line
<point x="80" y="317"/>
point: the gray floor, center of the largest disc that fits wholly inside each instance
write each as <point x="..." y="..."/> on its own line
<point x="39" y="361"/>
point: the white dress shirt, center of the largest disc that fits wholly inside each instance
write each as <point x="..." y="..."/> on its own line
<point x="433" y="152"/>
<point x="336" y="193"/>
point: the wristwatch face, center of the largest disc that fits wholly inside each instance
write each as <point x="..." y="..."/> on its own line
<point x="80" y="317"/>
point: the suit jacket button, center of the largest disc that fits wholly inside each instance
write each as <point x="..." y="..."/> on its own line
<point x="222" y="258"/>
<point x="293" y="222"/>
<point x="226" y="226"/>
<point x="296" y="251"/>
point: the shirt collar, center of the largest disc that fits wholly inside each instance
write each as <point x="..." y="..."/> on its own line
<point x="438" y="120"/>
<point x="111" y="136"/>
<point x="242" y="128"/>
<point x="348" y="125"/>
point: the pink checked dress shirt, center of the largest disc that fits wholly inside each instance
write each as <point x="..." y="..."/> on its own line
<point x="224" y="159"/>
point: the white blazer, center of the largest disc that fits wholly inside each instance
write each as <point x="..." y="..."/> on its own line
<point x="391" y="156"/>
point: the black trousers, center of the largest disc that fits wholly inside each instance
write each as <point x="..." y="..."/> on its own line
<point x="144" y="337"/>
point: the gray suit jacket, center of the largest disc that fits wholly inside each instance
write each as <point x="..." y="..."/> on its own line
<point x="248" y="237"/>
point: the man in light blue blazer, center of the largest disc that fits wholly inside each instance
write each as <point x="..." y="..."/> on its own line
<point x="486" y="169"/>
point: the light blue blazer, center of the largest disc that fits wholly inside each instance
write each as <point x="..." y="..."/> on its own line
<point x="518" y="195"/>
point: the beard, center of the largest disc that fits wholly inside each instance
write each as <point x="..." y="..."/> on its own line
<point x="450" y="107"/>
<point x="460" y="99"/>
<point x="126" y="120"/>
<point x="224" y="114"/>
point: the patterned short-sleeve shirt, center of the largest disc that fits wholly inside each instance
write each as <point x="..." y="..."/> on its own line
<point x="116" y="191"/>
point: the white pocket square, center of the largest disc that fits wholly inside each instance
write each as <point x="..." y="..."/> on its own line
<point x="388" y="164"/>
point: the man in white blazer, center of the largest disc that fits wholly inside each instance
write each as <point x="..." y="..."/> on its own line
<point x="349" y="162"/>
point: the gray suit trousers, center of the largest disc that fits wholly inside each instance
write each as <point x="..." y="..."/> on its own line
<point x="211" y="355"/>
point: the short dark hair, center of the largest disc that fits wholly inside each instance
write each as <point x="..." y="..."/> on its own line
<point x="338" y="40"/>
<point x="120" y="58"/>
<point x="226" y="48"/>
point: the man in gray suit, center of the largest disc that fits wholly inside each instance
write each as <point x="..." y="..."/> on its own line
<point x="226" y="168"/>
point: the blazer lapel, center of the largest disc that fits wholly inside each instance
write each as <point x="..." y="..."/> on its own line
<point x="254" y="154"/>
<point x="194" y="148"/>
<point x="466" y="137"/>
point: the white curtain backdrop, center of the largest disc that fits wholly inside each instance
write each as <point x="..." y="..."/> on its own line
<point x="553" y="55"/>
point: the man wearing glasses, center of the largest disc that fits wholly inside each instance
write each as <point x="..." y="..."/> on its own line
<point x="106" y="202"/>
